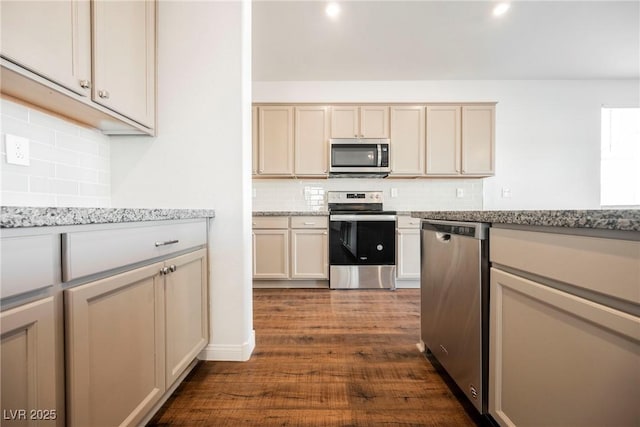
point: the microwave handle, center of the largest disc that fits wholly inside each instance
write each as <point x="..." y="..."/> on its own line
<point x="379" y="155"/>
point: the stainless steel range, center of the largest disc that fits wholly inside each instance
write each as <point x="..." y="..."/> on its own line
<point x="362" y="241"/>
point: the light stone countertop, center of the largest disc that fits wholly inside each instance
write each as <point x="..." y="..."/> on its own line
<point x="290" y="213"/>
<point x="604" y="219"/>
<point x="19" y="216"/>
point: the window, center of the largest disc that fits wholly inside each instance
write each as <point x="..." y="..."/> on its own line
<point x="620" y="157"/>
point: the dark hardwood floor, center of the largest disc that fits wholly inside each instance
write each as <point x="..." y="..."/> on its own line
<point x="322" y="358"/>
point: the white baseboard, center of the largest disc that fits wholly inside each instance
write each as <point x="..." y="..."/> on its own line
<point x="408" y="284"/>
<point x="229" y="353"/>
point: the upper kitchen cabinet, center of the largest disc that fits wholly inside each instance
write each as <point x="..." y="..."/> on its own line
<point x="275" y="140"/>
<point x="93" y="62"/>
<point x="460" y="140"/>
<point x="311" y="139"/>
<point x="443" y="140"/>
<point x="50" y="38"/>
<point x="124" y="55"/>
<point x="371" y="121"/>
<point x="254" y="140"/>
<point x="478" y="141"/>
<point x="407" y="140"/>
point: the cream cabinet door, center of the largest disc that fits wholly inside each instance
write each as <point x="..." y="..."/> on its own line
<point x="50" y="38"/>
<point x="374" y="121"/>
<point x="115" y="348"/>
<point x="407" y="140"/>
<point x="28" y="359"/>
<point x="408" y="254"/>
<point x="443" y="140"/>
<point x="186" y="319"/>
<point x="478" y="140"/>
<point x="254" y="140"/>
<point x="310" y="254"/>
<point x="275" y="140"/>
<point x="271" y="254"/>
<point x="311" y="140"/>
<point x="556" y="359"/>
<point x="345" y="122"/>
<point x="124" y="58"/>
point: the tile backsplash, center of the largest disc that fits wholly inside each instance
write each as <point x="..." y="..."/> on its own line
<point x="69" y="163"/>
<point x="399" y="194"/>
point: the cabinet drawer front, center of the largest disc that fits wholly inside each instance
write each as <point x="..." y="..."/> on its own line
<point x="91" y="252"/>
<point x="270" y="222"/>
<point x="29" y="263"/>
<point x="309" y="222"/>
<point x="408" y="222"/>
<point x="608" y="266"/>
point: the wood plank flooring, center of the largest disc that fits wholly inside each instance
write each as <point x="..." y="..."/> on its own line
<point x="322" y="358"/>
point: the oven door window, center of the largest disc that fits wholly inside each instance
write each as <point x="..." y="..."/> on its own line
<point x="362" y="243"/>
<point x="345" y="155"/>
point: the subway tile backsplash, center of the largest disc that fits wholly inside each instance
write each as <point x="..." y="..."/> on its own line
<point x="69" y="163"/>
<point x="412" y="194"/>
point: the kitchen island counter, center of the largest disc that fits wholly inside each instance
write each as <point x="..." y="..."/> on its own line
<point x="18" y="216"/>
<point x="604" y="219"/>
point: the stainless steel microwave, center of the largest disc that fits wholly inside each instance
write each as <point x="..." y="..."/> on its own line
<point x="359" y="157"/>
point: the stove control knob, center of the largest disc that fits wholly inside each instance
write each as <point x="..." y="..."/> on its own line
<point x="379" y="247"/>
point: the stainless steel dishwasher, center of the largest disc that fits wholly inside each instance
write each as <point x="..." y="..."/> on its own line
<point x="454" y="283"/>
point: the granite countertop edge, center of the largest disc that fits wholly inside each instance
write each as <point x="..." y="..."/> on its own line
<point x="290" y="213"/>
<point x="605" y="219"/>
<point x="21" y="216"/>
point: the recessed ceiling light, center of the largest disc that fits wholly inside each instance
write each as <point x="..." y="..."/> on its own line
<point x="501" y="9"/>
<point x="332" y="10"/>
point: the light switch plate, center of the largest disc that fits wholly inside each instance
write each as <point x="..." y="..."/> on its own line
<point x="459" y="193"/>
<point x="17" y="150"/>
<point x="394" y="192"/>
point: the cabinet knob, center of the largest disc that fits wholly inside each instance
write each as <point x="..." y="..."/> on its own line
<point x="172" y="268"/>
<point x="164" y="271"/>
<point x="85" y="84"/>
<point x="103" y="94"/>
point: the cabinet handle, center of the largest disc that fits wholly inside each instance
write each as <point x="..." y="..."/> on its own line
<point x="103" y="94"/>
<point x="164" y="271"/>
<point x="167" y="242"/>
<point x="85" y="84"/>
<point x="172" y="268"/>
<point x="309" y="223"/>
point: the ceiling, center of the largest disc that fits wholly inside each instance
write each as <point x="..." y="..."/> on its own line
<point x="442" y="40"/>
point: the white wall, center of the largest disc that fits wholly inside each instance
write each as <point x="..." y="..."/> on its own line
<point x="201" y="157"/>
<point x="547" y="132"/>
<point x="69" y="163"/>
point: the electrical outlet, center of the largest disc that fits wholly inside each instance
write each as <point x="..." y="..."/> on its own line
<point x="459" y="193"/>
<point x="17" y="150"/>
<point x="394" y="192"/>
<point x="506" y="193"/>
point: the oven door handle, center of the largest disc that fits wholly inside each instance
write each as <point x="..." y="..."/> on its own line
<point x="362" y="217"/>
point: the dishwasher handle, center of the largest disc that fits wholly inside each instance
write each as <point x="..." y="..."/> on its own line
<point x="443" y="237"/>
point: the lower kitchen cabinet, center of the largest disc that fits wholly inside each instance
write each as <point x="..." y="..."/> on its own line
<point x="115" y="348"/>
<point x="131" y="336"/>
<point x="186" y="320"/>
<point x="290" y="252"/>
<point x="564" y="353"/>
<point x="309" y="254"/>
<point x="557" y="359"/>
<point x="271" y="254"/>
<point x="408" y="256"/>
<point x="29" y="365"/>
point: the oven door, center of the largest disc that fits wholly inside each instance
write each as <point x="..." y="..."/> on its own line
<point x="362" y="240"/>
<point x="362" y="251"/>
